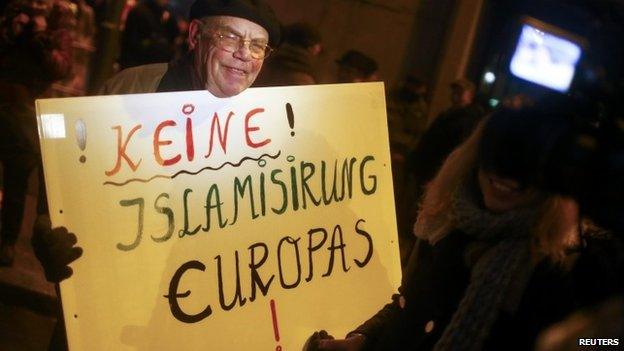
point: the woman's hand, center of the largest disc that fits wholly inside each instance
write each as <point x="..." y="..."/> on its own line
<point x="353" y="342"/>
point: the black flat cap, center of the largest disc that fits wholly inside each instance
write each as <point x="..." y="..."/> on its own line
<point x="256" y="11"/>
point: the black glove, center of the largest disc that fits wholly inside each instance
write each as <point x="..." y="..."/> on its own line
<point x="55" y="249"/>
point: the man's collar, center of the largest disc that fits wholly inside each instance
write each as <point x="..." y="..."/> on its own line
<point x="180" y="76"/>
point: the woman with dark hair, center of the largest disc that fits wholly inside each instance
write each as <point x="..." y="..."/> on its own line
<point x="495" y="260"/>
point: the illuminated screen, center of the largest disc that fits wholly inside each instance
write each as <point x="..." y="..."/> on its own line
<point x="545" y="59"/>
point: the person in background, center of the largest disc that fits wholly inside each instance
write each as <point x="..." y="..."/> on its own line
<point x="149" y="34"/>
<point x="82" y="29"/>
<point x="407" y="114"/>
<point x="497" y="260"/>
<point x="518" y="101"/>
<point x="407" y="121"/>
<point x="355" y="67"/>
<point x="444" y="134"/>
<point x="35" y="51"/>
<point x="304" y="35"/>
<point x="293" y="63"/>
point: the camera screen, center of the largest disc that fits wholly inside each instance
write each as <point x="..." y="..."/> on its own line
<point x="545" y="59"/>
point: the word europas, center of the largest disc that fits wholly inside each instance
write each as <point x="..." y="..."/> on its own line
<point x="257" y="256"/>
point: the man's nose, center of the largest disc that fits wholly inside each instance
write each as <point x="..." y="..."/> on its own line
<point x="243" y="52"/>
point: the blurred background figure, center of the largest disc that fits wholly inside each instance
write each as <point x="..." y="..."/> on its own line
<point x="443" y="135"/>
<point x="407" y="121"/>
<point x="446" y="132"/>
<point x="304" y="35"/>
<point x="35" y="51"/>
<point x="293" y="63"/>
<point x="518" y="101"/>
<point x="355" y="67"/>
<point x="81" y="23"/>
<point x="149" y="34"/>
<point x="462" y="93"/>
<point x="407" y="114"/>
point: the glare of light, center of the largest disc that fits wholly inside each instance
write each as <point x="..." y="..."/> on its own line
<point x="493" y="102"/>
<point x="489" y="77"/>
<point x="53" y="126"/>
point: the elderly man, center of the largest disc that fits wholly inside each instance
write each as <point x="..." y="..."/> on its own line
<point x="228" y="42"/>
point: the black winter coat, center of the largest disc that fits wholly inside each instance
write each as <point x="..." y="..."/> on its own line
<point x="437" y="276"/>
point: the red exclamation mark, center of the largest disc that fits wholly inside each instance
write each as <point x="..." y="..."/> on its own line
<point x="275" y="327"/>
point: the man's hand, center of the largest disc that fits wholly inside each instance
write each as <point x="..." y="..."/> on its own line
<point x="55" y="249"/>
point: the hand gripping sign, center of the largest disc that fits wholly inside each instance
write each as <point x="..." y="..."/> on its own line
<point x="243" y="223"/>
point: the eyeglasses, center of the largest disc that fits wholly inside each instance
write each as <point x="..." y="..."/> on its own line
<point x="231" y="42"/>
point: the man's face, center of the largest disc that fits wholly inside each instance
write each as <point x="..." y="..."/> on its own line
<point x="348" y="74"/>
<point x="461" y="97"/>
<point x="225" y="73"/>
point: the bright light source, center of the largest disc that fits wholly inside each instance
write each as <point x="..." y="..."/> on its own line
<point x="493" y="102"/>
<point x="489" y="77"/>
<point x="53" y="126"/>
<point x="547" y="59"/>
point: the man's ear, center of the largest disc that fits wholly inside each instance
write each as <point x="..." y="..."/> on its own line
<point x="194" y="33"/>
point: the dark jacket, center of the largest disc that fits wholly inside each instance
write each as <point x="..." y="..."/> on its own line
<point x="437" y="276"/>
<point x="177" y="75"/>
